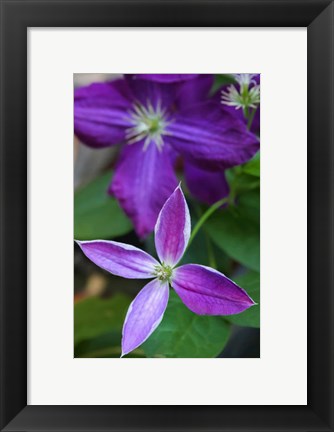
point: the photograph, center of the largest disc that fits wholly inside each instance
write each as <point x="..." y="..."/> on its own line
<point x="166" y="215"/>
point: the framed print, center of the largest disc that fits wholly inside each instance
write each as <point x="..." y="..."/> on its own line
<point x="173" y="106"/>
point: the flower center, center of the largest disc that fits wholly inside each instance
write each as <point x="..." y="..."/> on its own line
<point x="148" y="123"/>
<point x="246" y="99"/>
<point x="248" y="96"/>
<point x="163" y="272"/>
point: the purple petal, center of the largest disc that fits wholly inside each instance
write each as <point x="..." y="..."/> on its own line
<point x="238" y="113"/>
<point x="207" y="133"/>
<point x="120" y="259"/>
<point x="144" y="315"/>
<point x="142" y="182"/>
<point x="100" y="113"/>
<point x="205" y="291"/>
<point x="154" y="93"/>
<point x="166" y="78"/>
<point x="208" y="186"/>
<point x="194" y="91"/>
<point x="172" y="230"/>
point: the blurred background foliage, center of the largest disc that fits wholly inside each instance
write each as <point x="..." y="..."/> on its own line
<point x="228" y="241"/>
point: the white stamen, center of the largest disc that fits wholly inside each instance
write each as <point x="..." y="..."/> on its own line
<point x="149" y="123"/>
<point x="163" y="272"/>
<point x="245" y="79"/>
<point x="246" y="96"/>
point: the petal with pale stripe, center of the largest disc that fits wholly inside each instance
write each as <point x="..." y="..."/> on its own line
<point x="172" y="230"/>
<point x="120" y="259"/>
<point x="144" y="315"/>
<point x="206" y="291"/>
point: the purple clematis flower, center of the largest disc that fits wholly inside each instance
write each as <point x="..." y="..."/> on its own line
<point x="202" y="289"/>
<point x="157" y="119"/>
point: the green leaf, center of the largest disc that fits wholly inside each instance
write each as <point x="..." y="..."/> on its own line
<point x="241" y="182"/>
<point x="250" y="281"/>
<point x="253" y="166"/>
<point x="107" y="345"/>
<point x="203" y="251"/>
<point x="96" y="214"/>
<point x="95" y="316"/>
<point x="250" y="203"/>
<point x="220" y="80"/>
<point x="236" y="230"/>
<point x="198" y="251"/>
<point x="184" y="334"/>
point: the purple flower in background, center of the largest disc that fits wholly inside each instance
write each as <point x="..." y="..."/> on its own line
<point x="202" y="289"/>
<point x="158" y="118"/>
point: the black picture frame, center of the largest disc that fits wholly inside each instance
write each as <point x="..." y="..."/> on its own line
<point x="16" y="17"/>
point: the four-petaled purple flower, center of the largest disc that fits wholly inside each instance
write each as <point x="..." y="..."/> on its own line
<point x="158" y="118"/>
<point x="202" y="289"/>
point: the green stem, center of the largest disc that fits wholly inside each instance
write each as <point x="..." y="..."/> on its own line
<point x="205" y="216"/>
<point x="211" y="254"/>
<point x="251" y="118"/>
<point x="246" y="112"/>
